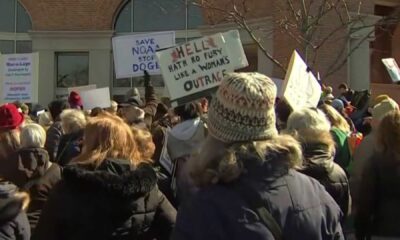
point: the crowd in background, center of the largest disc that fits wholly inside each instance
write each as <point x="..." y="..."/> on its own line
<point x="240" y="164"/>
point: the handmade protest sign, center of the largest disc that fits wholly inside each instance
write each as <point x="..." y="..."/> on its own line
<point x="99" y="97"/>
<point x="82" y="88"/>
<point x="19" y="75"/>
<point x="300" y="88"/>
<point x="135" y="53"/>
<point x="193" y="68"/>
<point x="392" y="68"/>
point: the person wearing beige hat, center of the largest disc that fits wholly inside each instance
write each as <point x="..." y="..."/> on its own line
<point x="367" y="147"/>
<point x="247" y="187"/>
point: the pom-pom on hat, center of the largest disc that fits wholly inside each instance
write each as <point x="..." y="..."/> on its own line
<point x="243" y="108"/>
<point x="10" y="117"/>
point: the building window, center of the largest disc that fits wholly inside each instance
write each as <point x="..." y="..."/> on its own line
<point x="14" y="19"/>
<point x="158" y="15"/>
<point x="72" y="69"/>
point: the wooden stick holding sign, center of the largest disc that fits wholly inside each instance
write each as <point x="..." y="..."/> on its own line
<point x="195" y="68"/>
<point x="300" y="88"/>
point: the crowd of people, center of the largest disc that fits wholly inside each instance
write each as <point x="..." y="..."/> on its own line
<point x="240" y="164"/>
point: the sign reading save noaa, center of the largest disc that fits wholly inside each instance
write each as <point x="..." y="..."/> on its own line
<point x="135" y="53"/>
<point x="193" y="68"/>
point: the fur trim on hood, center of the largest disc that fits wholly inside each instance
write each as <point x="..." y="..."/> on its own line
<point x="114" y="178"/>
<point x="12" y="202"/>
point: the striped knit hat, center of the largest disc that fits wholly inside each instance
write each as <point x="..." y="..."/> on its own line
<point x="243" y="108"/>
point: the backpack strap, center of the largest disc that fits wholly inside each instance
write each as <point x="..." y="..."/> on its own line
<point x="255" y="202"/>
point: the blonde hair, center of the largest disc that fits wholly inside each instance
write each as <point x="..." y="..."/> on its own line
<point x="219" y="162"/>
<point x="389" y="133"/>
<point x="307" y="119"/>
<point x="9" y="142"/>
<point x="108" y="136"/>
<point x="32" y="136"/>
<point x="335" y="118"/>
<point x="144" y="141"/>
<point x="73" y="120"/>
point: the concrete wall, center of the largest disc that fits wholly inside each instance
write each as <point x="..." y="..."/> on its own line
<point x="97" y="44"/>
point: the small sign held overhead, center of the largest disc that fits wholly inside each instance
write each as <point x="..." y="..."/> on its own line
<point x="300" y="88"/>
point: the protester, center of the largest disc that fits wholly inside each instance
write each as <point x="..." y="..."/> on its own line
<point x="14" y="224"/>
<point x="33" y="159"/>
<point x="367" y="147"/>
<point x="339" y="106"/>
<point x="378" y="211"/>
<point x="73" y="124"/>
<point x="149" y="106"/>
<point x="340" y="131"/>
<point x="133" y="116"/>
<point x="311" y="128"/>
<point x="10" y="123"/>
<point x="75" y="101"/>
<point x="346" y="92"/>
<point x="244" y="170"/>
<point x="96" y="111"/>
<point x="35" y="173"/>
<point x="45" y="121"/>
<point x="283" y="111"/>
<point x="107" y="192"/>
<point x="55" y="132"/>
<point x="182" y="140"/>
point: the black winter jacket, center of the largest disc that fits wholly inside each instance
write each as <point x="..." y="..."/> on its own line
<point x="111" y="201"/>
<point x="14" y="224"/>
<point x="299" y="204"/>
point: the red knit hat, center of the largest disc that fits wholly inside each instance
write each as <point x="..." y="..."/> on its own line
<point x="75" y="100"/>
<point x="10" y="117"/>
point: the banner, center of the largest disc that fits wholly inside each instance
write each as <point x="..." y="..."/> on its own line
<point x="19" y="77"/>
<point x="82" y="88"/>
<point x="99" y="97"/>
<point x="300" y="88"/>
<point x="135" y="53"/>
<point x="193" y="68"/>
<point x="392" y="68"/>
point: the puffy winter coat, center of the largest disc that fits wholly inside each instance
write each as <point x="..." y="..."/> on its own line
<point x="112" y="201"/>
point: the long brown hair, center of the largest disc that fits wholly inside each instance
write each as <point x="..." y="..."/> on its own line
<point x="389" y="133"/>
<point x="108" y="136"/>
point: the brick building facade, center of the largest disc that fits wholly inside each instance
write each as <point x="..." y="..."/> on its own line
<point x="80" y="31"/>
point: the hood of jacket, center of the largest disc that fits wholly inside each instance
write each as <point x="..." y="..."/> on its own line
<point x="11" y="203"/>
<point x="113" y="179"/>
<point x="318" y="152"/>
<point x="32" y="163"/>
<point x="186" y="130"/>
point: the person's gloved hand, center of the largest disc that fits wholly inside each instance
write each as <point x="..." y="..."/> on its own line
<point x="147" y="79"/>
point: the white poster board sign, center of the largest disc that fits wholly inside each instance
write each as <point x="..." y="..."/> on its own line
<point x="19" y="77"/>
<point x="82" y="88"/>
<point x="135" y="53"/>
<point x="300" y="88"/>
<point x="99" y="97"/>
<point x="392" y="68"/>
<point x="193" y="68"/>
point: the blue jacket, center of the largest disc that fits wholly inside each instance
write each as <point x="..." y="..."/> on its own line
<point x="299" y="204"/>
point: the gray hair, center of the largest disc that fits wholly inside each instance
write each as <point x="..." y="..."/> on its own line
<point x="73" y="120"/>
<point x="32" y="136"/>
<point x="307" y="118"/>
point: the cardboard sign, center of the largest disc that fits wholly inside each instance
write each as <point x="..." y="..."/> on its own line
<point x="193" y="68"/>
<point x="96" y="98"/>
<point x="19" y="74"/>
<point x="300" y="88"/>
<point x="392" y="68"/>
<point x="82" y="88"/>
<point x="135" y="53"/>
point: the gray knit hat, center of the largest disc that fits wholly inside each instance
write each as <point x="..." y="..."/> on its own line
<point x="243" y="108"/>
